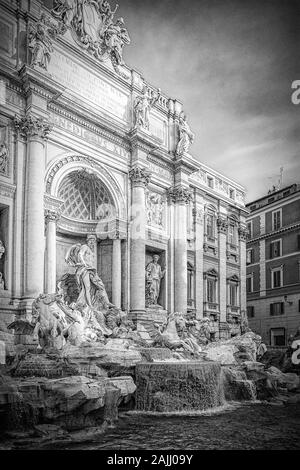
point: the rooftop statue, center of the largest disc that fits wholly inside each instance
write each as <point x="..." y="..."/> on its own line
<point x="92" y="22"/>
<point x="142" y="107"/>
<point x="40" y="38"/>
<point x="186" y="136"/>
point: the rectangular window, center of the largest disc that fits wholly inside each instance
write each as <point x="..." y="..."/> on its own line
<point x="277" y="336"/>
<point x="298" y="237"/>
<point x="249" y="228"/>
<point x="276" y="278"/>
<point x="249" y="256"/>
<point x="250" y="311"/>
<point x="275" y="249"/>
<point x="211" y="290"/>
<point x="277" y="309"/>
<point x="233" y="295"/>
<point x="231" y="234"/>
<point x="276" y="218"/>
<point x="210" y="225"/>
<point x="249" y="283"/>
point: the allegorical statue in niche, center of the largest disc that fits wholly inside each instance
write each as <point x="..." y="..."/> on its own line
<point x="142" y="107"/>
<point x="186" y="136"/>
<point x="154" y="274"/>
<point x="91" y="287"/>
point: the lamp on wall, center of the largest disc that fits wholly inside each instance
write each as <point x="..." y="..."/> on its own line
<point x="290" y="302"/>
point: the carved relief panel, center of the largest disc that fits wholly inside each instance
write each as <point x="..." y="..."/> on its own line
<point x="155" y="207"/>
<point x="4" y="151"/>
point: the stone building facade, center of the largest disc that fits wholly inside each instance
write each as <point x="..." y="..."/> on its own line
<point x="273" y="265"/>
<point x="89" y="147"/>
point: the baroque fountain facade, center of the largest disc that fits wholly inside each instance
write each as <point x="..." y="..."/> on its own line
<point x="122" y="257"/>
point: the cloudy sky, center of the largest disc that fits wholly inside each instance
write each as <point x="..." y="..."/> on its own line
<point x="231" y="63"/>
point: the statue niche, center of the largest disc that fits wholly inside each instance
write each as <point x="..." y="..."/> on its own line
<point x="154" y="274"/>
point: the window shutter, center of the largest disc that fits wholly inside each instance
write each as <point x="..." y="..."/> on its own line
<point x="271" y="250"/>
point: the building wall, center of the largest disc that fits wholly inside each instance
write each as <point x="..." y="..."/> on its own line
<point x="287" y="201"/>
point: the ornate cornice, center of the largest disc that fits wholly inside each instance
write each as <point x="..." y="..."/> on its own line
<point x="180" y="194"/>
<point x="222" y="225"/>
<point x="140" y="176"/>
<point x="31" y="126"/>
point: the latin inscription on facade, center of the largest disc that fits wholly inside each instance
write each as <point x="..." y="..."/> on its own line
<point x="88" y="136"/>
<point x="94" y="90"/>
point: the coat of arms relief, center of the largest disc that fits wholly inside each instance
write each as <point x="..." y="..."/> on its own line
<point x="93" y="26"/>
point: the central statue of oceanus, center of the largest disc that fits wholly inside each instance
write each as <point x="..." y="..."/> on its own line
<point x="91" y="288"/>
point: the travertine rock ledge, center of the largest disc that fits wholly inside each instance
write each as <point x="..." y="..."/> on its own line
<point x="73" y="402"/>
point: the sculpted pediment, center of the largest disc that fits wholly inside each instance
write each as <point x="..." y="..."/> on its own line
<point x="93" y="27"/>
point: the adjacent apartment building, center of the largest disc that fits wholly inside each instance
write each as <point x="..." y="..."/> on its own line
<point x="273" y="265"/>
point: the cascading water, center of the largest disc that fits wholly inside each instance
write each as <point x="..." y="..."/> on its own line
<point x="178" y="386"/>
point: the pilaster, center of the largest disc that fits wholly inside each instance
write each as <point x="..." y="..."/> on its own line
<point x="222" y="225"/>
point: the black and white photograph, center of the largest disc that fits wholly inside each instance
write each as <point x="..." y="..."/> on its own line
<point x="149" y="229"/>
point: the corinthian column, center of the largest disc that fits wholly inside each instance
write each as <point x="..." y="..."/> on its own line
<point x="180" y="196"/>
<point x="35" y="130"/>
<point x="51" y="218"/>
<point x="140" y="178"/>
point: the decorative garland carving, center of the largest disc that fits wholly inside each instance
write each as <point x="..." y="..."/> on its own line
<point x="222" y="225"/>
<point x="243" y="233"/>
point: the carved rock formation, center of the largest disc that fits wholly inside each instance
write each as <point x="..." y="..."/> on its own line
<point x="177" y="386"/>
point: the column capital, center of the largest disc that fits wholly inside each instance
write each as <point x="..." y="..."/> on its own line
<point x="180" y="194"/>
<point x="222" y="224"/>
<point x="52" y="215"/>
<point x="243" y="232"/>
<point x="140" y="176"/>
<point x="32" y="126"/>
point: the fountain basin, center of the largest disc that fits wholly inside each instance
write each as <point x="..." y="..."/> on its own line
<point x="178" y="386"/>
